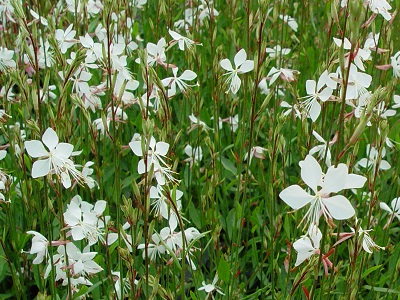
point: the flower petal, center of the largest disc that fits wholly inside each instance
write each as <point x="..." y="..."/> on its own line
<point x="335" y="179"/>
<point x="50" y="138"/>
<point x="35" y="149"/>
<point x="240" y="58"/>
<point x="339" y="207"/>
<point x="354" y="181"/>
<point x="247" y="66"/>
<point x="188" y="75"/>
<point x="311" y="172"/>
<point x="310" y="87"/>
<point x="295" y="196"/>
<point x="226" y="64"/>
<point x="40" y="168"/>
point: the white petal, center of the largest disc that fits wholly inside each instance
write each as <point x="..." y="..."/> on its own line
<point x="247" y="66"/>
<point x="162" y="148"/>
<point x="66" y="180"/>
<point x="354" y="181"/>
<point x="304" y="250"/>
<point x="50" y="138"/>
<point x="35" y="149"/>
<point x="295" y="196"/>
<point x="339" y="207"/>
<point x="99" y="207"/>
<point x="335" y="179"/>
<point x="325" y="94"/>
<point x="77" y="233"/>
<point x="136" y="147"/>
<point x="311" y="172"/>
<point x="396" y="204"/>
<point x="226" y="64"/>
<point x="188" y="75"/>
<point x="240" y="58"/>
<point x="363" y="162"/>
<point x="384" y="206"/>
<point x="63" y="150"/>
<point x="384" y="165"/>
<point x="235" y="84"/>
<point x="318" y="137"/>
<point x="315" y="111"/>
<point x="40" y="168"/>
<point x="310" y="87"/>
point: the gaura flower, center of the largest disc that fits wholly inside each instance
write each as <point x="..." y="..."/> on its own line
<point x="39" y="246"/>
<point x="242" y="65"/>
<point x="211" y="287"/>
<point x="172" y="82"/>
<point x="182" y="41"/>
<point x="394" y="211"/>
<point x="56" y="160"/>
<point x="322" y="185"/>
<point x="316" y="92"/>
<point x="373" y="159"/>
<point x="395" y="63"/>
<point x="308" y="245"/>
<point x="66" y="39"/>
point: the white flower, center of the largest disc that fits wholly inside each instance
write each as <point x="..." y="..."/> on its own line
<point x="308" y="245"/>
<point x="380" y="7"/>
<point x="126" y="286"/>
<point x="39" y="247"/>
<point x="66" y="39"/>
<point x="233" y="122"/>
<point x="55" y="161"/>
<point x="182" y="41"/>
<point x="277" y="51"/>
<point x="336" y="179"/>
<point x="315" y="93"/>
<point x="155" y="249"/>
<point x="257" y="152"/>
<point x="162" y="205"/>
<point x="357" y="84"/>
<point x="395" y="210"/>
<point x="197" y="123"/>
<point x="395" y="63"/>
<point x="112" y="237"/>
<point x="84" y="219"/>
<point x="367" y="243"/>
<point x="195" y="154"/>
<point x="211" y="287"/>
<point x="156" y="152"/>
<point x="242" y="65"/>
<point x="285" y="74"/>
<point x="322" y="149"/>
<point x="6" y="60"/>
<point x="82" y="262"/>
<point x="290" y="21"/>
<point x="373" y="158"/>
<point x="172" y="82"/>
<point x="156" y="53"/>
<point x="358" y="57"/>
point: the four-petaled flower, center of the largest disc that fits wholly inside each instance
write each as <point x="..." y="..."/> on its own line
<point x="321" y="202"/>
<point x="211" y="287"/>
<point x="242" y="65"/>
<point x="56" y="160"/>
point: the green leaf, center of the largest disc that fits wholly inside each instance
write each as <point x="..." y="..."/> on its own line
<point x="228" y="165"/>
<point x="381" y="290"/>
<point x="370" y="270"/>
<point x="81" y="292"/>
<point x="223" y="270"/>
<point x="194" y="215"/>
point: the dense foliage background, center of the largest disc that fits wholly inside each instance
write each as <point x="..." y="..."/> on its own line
<point x="192" y="162"/>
